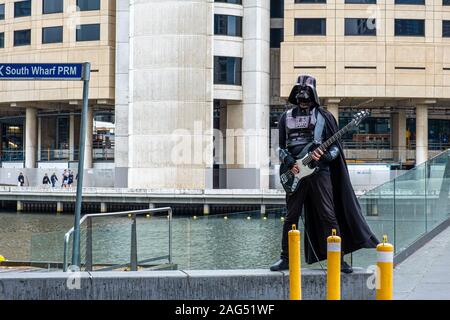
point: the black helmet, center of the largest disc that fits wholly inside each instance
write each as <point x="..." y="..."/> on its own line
<point x="303" y="82"/>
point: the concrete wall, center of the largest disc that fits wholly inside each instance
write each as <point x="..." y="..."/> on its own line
<point x="177" y="285"/>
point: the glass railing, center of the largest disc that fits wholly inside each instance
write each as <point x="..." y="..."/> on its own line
<point x="408" y="206"/>
<point x="404" y="209"/>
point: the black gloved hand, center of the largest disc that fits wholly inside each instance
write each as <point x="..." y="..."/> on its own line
<point x="286" y="158"/>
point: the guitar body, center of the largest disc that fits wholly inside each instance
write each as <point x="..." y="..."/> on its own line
<point x="291" y="181"/>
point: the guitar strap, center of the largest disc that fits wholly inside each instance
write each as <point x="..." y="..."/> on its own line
<point x="318" y="130"/>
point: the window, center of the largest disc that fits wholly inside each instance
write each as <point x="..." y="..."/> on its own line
<point x="227" y="70"/>
<point x="360" y="27"/>
<point x="361" y="1"/>
<point x="227" y="25"/>
<point x="310" y="26"/>
<point x="446" y="28"/>
<point x="310" y="1"/>
<point x="2" y="40"/>
<point x="446" y="2"/>
<point x="230" y="1"/>
<point x="2" y="11"/>
<point x="22" y="37"/>
<point x="22" y="9"/>
<point x="52" y="35"/>
<point x="52" y="6"/>
<point x="277" y="8"/>
<point x="420" y="2"/>
<point x="88" y="32"/>
<point x="88" y="5"/>
<point x="409" y="27"/>
<point x="276" y="37"/>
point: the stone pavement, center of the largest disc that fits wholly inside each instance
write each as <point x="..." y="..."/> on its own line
<point x="425" y="275"/>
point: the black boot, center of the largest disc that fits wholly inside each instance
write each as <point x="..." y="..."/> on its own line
<point x="345" y="267"/>
<point x="282" y="264"/>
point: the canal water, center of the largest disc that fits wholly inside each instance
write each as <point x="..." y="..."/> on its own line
<point x="234" y="241"/>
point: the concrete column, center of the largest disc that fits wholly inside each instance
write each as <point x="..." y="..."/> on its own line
<point x="103" y="207"/>
<point x="71" y="136"/>
<point x="19" y="206"/>
<point x="206" y="209"/>
<point x="421" y="134"/>
<point x="89" y="136"/>
<point x="30" y="138"/>
<point x="334" y="110"/>
<point x="59" y="207"/>
<point x="398" y="129"/>
<point x="247" y="153"/>
<point x="263" y="209"/>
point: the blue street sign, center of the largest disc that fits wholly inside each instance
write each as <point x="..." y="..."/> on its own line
<point x="41" y="71"/>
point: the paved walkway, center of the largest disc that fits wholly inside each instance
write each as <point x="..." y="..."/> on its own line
<point x="425" y="275"/>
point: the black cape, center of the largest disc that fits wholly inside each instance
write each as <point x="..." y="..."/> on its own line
<point x="355" y="232"/>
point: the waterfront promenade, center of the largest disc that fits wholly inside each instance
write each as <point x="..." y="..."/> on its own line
<point x="426" y="273"/>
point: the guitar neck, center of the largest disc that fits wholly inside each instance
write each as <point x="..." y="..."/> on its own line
<point x="330" y="141"/>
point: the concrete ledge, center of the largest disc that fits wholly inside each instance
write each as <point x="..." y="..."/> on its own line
<point x="177" y="285"/>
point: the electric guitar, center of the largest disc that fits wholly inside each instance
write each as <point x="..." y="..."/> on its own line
<point x="291" y="181"/>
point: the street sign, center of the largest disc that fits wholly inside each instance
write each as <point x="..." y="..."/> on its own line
<point x="41" y="71"/>
<point x="60" y="71"/>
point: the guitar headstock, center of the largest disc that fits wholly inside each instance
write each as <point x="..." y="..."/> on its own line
<point x="360" y="116"/>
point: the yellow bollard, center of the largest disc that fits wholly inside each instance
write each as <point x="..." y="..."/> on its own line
<point x="295" y="274"/>
<point x="385" y="270"/>
<point x="334" y="266"/>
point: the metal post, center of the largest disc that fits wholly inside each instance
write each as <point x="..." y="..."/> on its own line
<point x="76" y="235"/>
<point x="89" y="245"/>
<point x="133" y="254"/>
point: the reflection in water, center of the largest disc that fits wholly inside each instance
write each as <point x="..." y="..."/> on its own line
<point x="203" y="243"/>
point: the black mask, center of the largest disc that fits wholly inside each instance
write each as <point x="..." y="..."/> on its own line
<point x="304" y="96"/>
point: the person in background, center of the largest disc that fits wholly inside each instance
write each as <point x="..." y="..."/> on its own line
<point x="65" y="179"/>
<point x="70" y="178"/>
<point x="46" y="180"/>
<point x="54" y="178"/>
<point x="21" y="180"/>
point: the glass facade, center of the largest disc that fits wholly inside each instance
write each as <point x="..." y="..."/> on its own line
<point x="410" y="27"/>
<point x="88" y="32"/>
<point x="228" y="25"/>
<point x="88" y="5"/>
<point x="372" y="133"/>
<point x="361" y="1"/>
<point x="2" y="11"/>
<point x="12" y="147"/>
<point x="446" y="28"/>
<point x="419" y="2"/>
<point x="230" y="1"/>
<point x="228" y="70"/>
<point x="52" y="35"/>
<point x="52" y="6"/>
<point x="310" y="1"/>
<point x="276" y="37"/>
<point x="277" y="8"/>
<point x="22" y="37"/>
<point x="22" y="9"/>
<point x="310" y="26"/>
<point x="360" y="27"/>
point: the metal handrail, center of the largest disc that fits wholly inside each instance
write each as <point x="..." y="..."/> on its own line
<point x="122" y="213"/>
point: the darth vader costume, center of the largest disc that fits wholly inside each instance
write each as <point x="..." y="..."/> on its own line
<point x="326" y="197"/>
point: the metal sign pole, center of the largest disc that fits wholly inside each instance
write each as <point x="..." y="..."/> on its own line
<point x="76" y="261"/>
